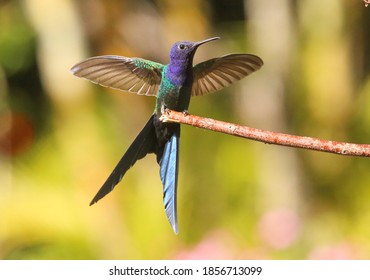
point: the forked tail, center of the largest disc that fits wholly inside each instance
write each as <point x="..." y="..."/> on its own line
<point x="143" y="144"/>
<point x="169" y="173"/>
<point x="164" y="142"/>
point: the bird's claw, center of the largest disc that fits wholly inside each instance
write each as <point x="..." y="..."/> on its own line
<point x="164" y="109"/>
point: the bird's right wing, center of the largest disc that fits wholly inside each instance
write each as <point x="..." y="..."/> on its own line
<point x="218" y="73"/>
<point x="135" y="75"/>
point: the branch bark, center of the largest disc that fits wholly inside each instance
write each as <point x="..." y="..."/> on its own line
<point x="268" y="137"/>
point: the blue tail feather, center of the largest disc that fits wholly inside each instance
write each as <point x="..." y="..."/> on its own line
<point x="169" y="171"/>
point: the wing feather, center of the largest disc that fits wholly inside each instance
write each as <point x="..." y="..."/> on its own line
<point x="218" y="73"/>
<point x="135" y="75"/>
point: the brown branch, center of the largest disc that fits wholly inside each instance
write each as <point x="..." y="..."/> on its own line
<point x="268" y="137"/>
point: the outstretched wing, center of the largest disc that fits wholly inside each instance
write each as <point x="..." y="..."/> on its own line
<point x="135" y="75"/>
<point x="218" y="73"/>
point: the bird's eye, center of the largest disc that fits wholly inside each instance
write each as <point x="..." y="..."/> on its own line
<point x="181" y="46"/>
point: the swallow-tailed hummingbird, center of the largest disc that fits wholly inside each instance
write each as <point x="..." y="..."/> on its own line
<point x="173" y="85"/>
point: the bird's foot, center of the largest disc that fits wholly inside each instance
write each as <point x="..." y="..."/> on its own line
<point x="164" y="109"/>
<point x="185" y="113"/>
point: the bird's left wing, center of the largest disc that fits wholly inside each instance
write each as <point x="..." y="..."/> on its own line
<point x="135" y="75"/>
<point x="218" y="73"/>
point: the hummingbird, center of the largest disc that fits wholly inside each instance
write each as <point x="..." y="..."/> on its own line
<point x="173" y="85"/>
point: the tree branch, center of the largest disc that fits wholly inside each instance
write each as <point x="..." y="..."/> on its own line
<point x="268" y="137"/>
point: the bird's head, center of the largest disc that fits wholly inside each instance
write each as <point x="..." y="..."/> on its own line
<point x="185" y="50"/>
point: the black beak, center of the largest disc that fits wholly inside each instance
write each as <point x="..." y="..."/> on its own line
<point x="197" y="44"/>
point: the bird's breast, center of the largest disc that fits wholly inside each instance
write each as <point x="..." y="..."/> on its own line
<point x="174" y="93"/>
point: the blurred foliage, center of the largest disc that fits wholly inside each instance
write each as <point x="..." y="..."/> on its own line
<point x="60" y="136"/>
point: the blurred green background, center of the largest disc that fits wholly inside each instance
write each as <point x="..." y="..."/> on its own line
<point x="60" y="136"/>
